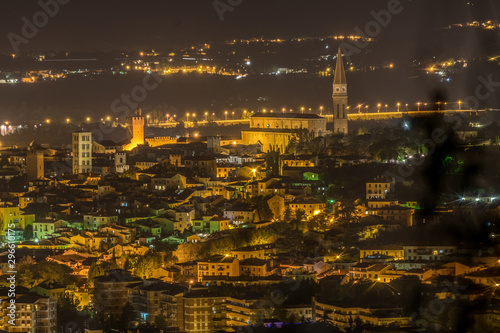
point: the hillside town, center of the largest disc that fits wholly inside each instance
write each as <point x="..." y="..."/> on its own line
<point x="289" y="224"/>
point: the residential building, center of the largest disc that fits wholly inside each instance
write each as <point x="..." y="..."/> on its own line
<point x="43" y="228"/>
<point x="308" y="204"/>
<point x="96" y="220"/>
<point x="428" y="252"/>
<point x="34" y="314"/>
<point x="342" y="315"/>
<point x="111" y="292"/>
<point x="82" y="152"/>
<point x="218" y="265"/>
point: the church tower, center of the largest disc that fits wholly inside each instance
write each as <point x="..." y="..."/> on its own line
<point x="339" y="97"/>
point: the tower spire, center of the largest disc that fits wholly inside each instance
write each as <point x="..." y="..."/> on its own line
<point x="340" y="123"/>
<point x="339" y="77"/>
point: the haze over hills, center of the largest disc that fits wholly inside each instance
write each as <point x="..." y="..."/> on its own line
<point x="421" y="35"/>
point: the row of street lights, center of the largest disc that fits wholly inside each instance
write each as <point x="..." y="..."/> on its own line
<point x="283" y="110"/>
<point x="399" y="105"/>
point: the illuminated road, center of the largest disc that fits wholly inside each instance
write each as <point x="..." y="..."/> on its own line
<point x="401" y="114"/>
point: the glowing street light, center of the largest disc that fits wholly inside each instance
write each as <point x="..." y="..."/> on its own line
<point x="386" y="107"/>
<point x="302" y="109"/>
<point x="187" y="117"/>
<point x="406" y="106"/>
<point x="399" y="104"/>
<point x="460" y="105"/>
<point x="225" y="114"/>
<point x="233" y="114"/>
<point x="206" y="116"/>
<point x="283" y="110"/>
<point x="321" y="109"/>
<point x="418" y="106"/>
<point x="67" y="120"/>
<point x="378" y="107"/>
<point x="359" y="108"/>
<point x="47" y="121"/>
<point x="88" y="119"/>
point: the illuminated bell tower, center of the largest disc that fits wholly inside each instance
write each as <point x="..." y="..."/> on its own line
<point x="339" y="97"/>
<point x="135" y="126"/>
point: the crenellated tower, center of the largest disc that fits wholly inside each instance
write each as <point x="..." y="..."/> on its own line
<point x="135" y="126"/>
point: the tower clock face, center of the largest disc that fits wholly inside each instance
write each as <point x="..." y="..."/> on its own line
<point x="337" y="89"/>
<point x="343" y="89"/>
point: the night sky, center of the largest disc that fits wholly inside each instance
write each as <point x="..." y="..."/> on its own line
<point x="133" y="24"/>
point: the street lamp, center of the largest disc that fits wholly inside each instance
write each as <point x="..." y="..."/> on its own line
<point x="445" y="103"/>
<point x="366" y="107"/>
<point x="418" y="106"/>
<point x="206" y="116"/>
<point x="399" y="104"/>
<point x="378" y="107"/>
<point x="321" y="110"/>
<point x="302" y="109"/>
<point x="88" y="119"/>
<point x="386" y="107"/>
<point x="460" y="105"/>
<point x="359" y="108"/>
<point x="233" y="114"/>
<point x="187" y="117"/>
<point x="425" y="104"/>
<point x="283" y="110"/>
<point x="67" y="120"/>
<point x="406" y="105"/>
<point x="225" y="115"/>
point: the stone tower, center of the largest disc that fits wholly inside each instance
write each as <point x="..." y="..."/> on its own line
<point x="34" y="162"/>
<point x="135" y="126"/>
<point x="339" y="97"/>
